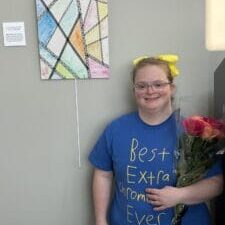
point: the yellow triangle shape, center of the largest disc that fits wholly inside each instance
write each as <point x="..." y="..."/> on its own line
<point x="92" y="35"/>
<point x="103" y="10"/>
<point x="64" y="72"/>
<point x="95" y="50"/>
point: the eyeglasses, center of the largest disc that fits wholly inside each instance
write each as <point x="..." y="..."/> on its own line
<point x="143" y="86"/>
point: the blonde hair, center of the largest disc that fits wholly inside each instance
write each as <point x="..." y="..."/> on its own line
<point x="152" y="61"/>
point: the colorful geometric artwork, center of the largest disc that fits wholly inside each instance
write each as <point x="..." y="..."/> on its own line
<point x="73" y="39"/>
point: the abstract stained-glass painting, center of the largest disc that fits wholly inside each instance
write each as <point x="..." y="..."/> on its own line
<point x="73" y="39"/>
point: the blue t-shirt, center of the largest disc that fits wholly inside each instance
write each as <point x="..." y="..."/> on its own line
<point x="142" y="156"/>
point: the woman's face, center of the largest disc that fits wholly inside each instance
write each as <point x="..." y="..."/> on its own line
<point x="152" y="89"/>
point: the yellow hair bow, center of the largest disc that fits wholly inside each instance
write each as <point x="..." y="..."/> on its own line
<point x="170" y="59"/>
<point x="138" y="59"/>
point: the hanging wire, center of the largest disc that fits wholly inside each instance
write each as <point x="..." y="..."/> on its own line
<point x="77" y="122"/>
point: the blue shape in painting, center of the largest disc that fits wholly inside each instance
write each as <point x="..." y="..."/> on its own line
<point x="40" y="7"/>
<point x="70" y="58"/>
<point x="47" y="26"/>
<point x="55" y="76"/>
<point x="69" y="18"/>
<point x="47" y="56"/>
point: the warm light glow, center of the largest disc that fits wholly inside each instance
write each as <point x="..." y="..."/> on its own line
<point x="215" y="25"/>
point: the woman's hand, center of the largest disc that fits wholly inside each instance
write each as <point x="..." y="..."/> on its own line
<point x="201" y="191"/>
<point x="163" y="198"/>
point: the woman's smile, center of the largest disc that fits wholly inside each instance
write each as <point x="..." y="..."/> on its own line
<point x="148" y="96"/>
<point x="152" y="97"/>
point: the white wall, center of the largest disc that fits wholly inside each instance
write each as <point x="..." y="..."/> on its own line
<point x="40" y="182"/>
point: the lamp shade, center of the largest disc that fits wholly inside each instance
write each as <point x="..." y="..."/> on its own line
<point x="215" y="25"/>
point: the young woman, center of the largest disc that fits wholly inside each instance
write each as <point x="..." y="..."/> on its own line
<point x="136" y="151"/>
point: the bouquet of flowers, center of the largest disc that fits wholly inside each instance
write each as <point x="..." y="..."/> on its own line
<point x="200" y="143"/>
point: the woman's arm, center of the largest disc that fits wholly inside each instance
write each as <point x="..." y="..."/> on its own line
<point x="102" y="186"/>
<point x="201" y="191"/>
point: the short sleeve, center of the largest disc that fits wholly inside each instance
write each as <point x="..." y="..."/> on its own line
<point x="216" y="169"/>
<point x="101" y="154"/>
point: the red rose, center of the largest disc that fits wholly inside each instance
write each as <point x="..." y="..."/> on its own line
<point x="218" y="127"/>
<point x="194" y="125"/>
<point x="204" y="127"/>
<point x="208" y="132"/>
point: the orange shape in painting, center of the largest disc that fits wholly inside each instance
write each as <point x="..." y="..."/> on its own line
<point x="77" y="40"/>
